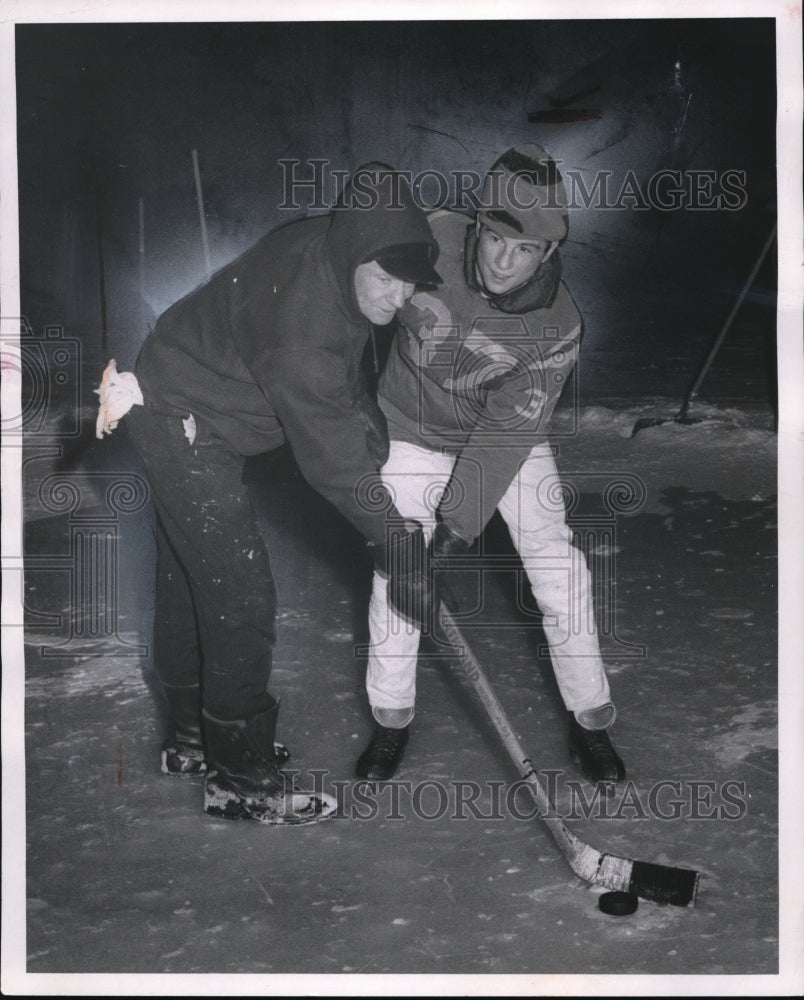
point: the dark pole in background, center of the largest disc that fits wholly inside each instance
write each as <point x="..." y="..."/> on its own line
<point x="93" y="87"/>
<point x="201" y="215"/>
<point x="142" y="262"/>
<point x="101" y="266"/>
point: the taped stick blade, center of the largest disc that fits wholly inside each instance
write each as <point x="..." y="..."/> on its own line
<point x="677" y="886"/>
<point x="658" y="883"/>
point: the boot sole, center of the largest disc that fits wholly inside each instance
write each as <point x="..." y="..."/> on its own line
<point x="291" y="809"/>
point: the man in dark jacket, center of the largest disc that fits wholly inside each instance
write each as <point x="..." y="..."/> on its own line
<point x="468" y="392"/>
<point x="266" y="352"/>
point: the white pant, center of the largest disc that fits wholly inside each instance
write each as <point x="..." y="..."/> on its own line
<point x="556" y="570"/>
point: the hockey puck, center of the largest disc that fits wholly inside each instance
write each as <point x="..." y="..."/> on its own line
<point x="618" y="904"/>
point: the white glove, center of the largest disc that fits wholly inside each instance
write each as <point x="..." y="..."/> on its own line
<point x="118" y="392"/>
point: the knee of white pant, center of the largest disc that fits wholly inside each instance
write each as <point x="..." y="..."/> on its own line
<point x="543" y="539"/>
<point x="416" y="479"/>
<point x="560" y="591"/>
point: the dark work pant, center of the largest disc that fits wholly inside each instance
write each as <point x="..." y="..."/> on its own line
<point x="215" y="596"/>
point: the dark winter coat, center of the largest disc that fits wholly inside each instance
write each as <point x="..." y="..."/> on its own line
<point x="268" y="350"/>
<point x="479" y="376"/>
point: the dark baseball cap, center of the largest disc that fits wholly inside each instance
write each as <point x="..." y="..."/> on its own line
<point x="410" y="262"/>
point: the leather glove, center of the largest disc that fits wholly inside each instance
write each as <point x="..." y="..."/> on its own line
<point x="444" y="545"/>
<point x="404" y="560"/>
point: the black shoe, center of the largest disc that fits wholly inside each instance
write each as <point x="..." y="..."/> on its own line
<point x="384" y="754"/>
<point x="592" y="751"/>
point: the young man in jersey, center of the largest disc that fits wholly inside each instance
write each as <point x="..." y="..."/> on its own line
<point x="476" y="370"/>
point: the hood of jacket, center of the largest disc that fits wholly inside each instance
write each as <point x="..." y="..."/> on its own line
<point x="376" y="211"/>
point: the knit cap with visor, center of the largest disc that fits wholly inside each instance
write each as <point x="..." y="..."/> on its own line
<point x="524" y="197"/>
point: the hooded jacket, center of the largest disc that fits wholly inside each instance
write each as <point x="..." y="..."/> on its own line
<point x="268" y="350"/>
<point x="479" y="376"/>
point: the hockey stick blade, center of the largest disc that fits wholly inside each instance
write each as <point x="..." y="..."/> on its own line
<point x="659" y="883"/>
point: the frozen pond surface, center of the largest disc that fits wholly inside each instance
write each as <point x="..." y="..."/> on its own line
<point x="126" y="874"/>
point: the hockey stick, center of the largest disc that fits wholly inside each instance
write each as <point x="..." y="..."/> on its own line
<point x="659" y="883"/>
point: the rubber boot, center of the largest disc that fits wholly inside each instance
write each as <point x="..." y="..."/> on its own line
<point x="183" y="750"/>
<point x="243" y="780"/>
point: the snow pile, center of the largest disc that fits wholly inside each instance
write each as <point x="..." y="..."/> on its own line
<point x="731" y="452"/>
<point x="702" y="417"/>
